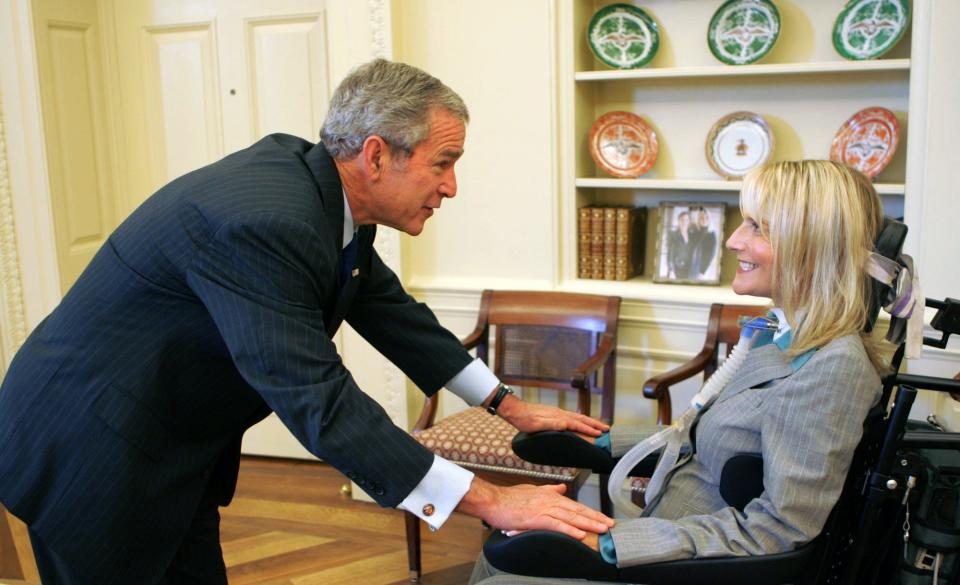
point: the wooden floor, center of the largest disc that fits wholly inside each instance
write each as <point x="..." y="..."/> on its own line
<point x="289" y="524"/>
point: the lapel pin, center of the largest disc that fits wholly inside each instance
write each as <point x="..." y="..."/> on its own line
<point x="355" y="273"/>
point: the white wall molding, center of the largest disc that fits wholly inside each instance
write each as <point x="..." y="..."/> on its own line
<point x="388" y="239"/>
<point x="13" y="328"/>
<point x="27" y="164"/>
<point x="380" y="29"/>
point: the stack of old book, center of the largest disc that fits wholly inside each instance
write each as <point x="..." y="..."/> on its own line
<point x="611" y="242"/>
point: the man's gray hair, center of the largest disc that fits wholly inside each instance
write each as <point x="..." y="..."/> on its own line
<point x="387" y="99"/>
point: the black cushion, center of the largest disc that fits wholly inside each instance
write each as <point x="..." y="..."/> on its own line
<point x="541" y="553"/>
<point x="568" y="449"/>
<point x="741" y="479"/>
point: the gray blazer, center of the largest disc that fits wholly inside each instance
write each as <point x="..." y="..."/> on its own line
<point x="806" y="424"/>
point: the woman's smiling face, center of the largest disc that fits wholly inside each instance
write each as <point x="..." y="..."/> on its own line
<point x="755" y="257"/>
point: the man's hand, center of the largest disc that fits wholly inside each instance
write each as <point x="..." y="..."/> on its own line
<point x="528" y="507"/>
<point x="529" y="417"/>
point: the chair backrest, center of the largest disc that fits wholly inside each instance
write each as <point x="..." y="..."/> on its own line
<point x="723" y="327"/>
<point x="544" y="339"/>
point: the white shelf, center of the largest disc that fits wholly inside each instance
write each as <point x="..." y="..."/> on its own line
<point x="747" y="70"/>
<point x="646" y="290"/>
<point x="696" y="185"/>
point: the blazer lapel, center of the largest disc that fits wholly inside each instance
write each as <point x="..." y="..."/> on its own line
<point x="324" y="172"/>
<point x="762" y="365"/>
<point x="365" y="236"/>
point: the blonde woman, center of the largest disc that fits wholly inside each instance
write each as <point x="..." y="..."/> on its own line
<point x="800" y="395"/>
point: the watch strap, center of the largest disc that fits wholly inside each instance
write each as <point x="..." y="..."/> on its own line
<point x="502" y="391"/>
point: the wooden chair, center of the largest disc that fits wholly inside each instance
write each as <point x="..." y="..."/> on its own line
<point x="544" y="340"/>
<point x="723" y="326"/>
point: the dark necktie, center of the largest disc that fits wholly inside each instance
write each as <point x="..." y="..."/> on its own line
<point x="347" y="259"/>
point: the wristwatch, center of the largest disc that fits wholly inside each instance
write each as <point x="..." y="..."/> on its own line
<point x="502" y="391"/>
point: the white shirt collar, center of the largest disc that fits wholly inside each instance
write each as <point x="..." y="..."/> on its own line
<point x="782" y="326"/>
<point x="348" y="228"/>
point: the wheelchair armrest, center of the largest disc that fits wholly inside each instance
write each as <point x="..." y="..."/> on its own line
<point x="541" y="553"/>
<point x="566" y="449"/>
<point x="549" y="554"/>
<point x="562" y="448"/>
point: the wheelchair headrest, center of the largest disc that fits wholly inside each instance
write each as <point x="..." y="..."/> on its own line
<point x="889" y="244"/>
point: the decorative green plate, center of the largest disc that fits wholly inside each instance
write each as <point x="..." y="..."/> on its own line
<point x="743" y="31"/>
<point x="623" y="36"/>
<point x="869" y="28"/>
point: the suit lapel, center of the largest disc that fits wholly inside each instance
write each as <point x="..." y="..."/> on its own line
<point x="324" y="171"/>
<point x="325" y="174"/>
<point x="365" y="236"/>
<point x="762" y="365"/>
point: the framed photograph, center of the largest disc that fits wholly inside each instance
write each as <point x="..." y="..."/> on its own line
<point x="689" y="243"/>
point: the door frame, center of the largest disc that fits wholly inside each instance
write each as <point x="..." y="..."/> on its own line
<point x="31" y="283"/>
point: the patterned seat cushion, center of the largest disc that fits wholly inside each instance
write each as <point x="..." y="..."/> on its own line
<point x="475" y="440"/>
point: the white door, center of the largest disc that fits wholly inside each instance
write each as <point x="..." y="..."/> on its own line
<point x="75" y="124"/>
<point x="203" y="78"/>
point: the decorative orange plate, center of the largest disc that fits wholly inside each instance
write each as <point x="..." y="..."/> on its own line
<point x="867" y="140"/>
<point x="623" y="144"/>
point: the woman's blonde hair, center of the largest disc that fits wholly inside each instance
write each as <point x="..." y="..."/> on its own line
<point x="822" y="219"/>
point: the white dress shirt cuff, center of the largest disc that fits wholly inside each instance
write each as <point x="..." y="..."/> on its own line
<point x="474" y="383"/>
<point x="438" y="493"/>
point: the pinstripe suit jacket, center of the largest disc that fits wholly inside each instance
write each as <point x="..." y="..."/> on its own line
<point x="210" y="306"/>
<point x="805" y="423"/>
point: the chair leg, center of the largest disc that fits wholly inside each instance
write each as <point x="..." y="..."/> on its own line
<point x="413" y="546"/>
<point x="606" y="505"/>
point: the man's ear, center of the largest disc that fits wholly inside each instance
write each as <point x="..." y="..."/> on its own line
<point x="375" y="154"/>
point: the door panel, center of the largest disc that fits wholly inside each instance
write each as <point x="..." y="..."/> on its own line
<point x="181" y="89"/>
<point x="287" y="98"/>
<point x="69" y="64"/>
<point x="203" y="78"/>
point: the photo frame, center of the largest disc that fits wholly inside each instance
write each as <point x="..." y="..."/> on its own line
<point x="689" y="243"/>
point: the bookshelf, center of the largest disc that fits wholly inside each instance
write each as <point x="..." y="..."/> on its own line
<point x="803" y="88"/>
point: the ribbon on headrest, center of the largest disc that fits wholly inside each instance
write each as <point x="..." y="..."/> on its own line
<point x="904" y="300"/>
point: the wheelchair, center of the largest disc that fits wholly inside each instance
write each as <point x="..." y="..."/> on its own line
<point x="861" y="542"/>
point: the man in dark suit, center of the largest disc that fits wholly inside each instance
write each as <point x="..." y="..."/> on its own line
<point x="212" y="305"/>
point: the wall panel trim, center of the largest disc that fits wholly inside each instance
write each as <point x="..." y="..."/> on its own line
<point x="13" y="327"/>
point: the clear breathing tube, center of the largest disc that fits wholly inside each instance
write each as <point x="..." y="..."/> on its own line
<point x="671" y="438"/>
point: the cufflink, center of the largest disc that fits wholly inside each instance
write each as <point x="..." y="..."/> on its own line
<point x="428" y="510"/>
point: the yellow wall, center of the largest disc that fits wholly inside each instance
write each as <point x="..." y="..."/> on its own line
<point x="498" y="56"/>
